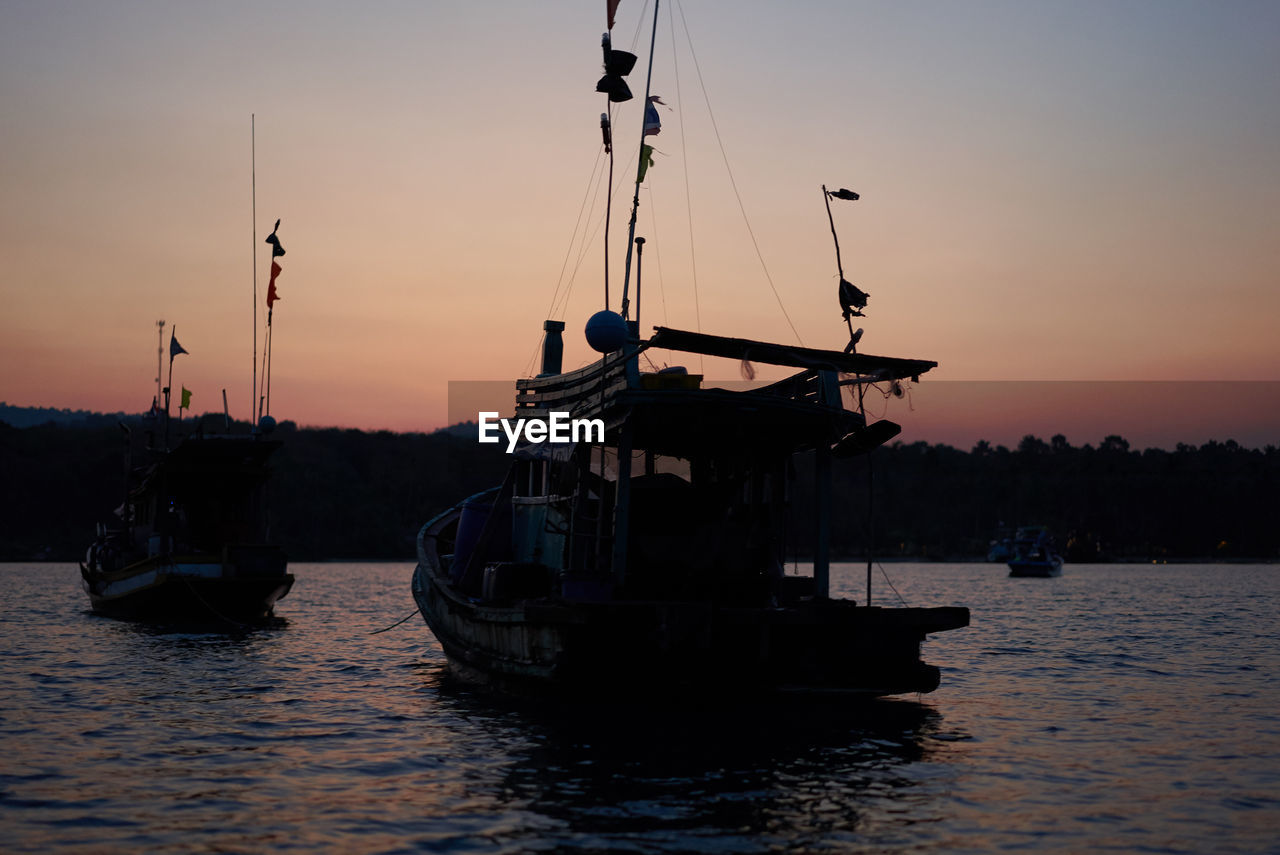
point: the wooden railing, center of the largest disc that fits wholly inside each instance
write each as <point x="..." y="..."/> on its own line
<point x="577" y="392"/>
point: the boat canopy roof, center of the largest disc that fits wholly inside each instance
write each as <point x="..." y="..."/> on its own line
<point x="887" y="367"/>
<point x="717" y="421"/>
<point x="798" y="412"/>
<point x="221" y="453"/>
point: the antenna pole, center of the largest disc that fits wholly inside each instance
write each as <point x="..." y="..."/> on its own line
<point x="639" y="261"/>
<point x="607" y="130"/>
<point x="266" y="345"/>
<point x="159" y="358"/>
<point x="826" y="197"/>
<point x="169" y="388"/>
<point x="870" y="519"/>
<point x="862" y="410"/>
<point x="253" y="178"/>
<point x="635" y="201"/>
<point x="271" y="337"/>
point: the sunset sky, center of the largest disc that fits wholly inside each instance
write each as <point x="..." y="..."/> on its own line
<point x="1086" y="190"/>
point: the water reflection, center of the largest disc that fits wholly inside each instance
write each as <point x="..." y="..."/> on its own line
<point x="211" y="629"/>
<point x="749" y="776"/>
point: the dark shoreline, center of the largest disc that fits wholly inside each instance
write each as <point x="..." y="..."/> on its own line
<point x="348" y="495"/>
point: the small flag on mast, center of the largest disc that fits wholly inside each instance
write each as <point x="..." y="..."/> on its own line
<point x="646" y="160"/>
<point x="652" y="121"/>
<point x="276" y="249"/>
<point x="611" y="10"/>
<point x="852" y="299"/>
<point x="617" y="65"/>
<point x="185" y="404"/>
<point x="174" y="347"/>
<point x="272" y="296"/>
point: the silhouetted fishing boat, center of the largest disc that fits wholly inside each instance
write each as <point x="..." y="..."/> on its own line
<point x="649" y="558"/>
<point x="191" y="543"/>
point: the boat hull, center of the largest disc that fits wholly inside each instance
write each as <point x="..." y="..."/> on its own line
<point x="642" y="648"/>
<point x="1037" y="569"/>
<point x="188" y="590"/>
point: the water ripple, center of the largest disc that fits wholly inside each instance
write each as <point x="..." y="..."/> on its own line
<point x="1124" y="709"/>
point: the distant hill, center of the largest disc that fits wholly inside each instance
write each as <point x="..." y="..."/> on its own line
<point x="24" y="417"/>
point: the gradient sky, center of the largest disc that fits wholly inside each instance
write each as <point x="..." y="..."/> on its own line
<point x="1082" y="190"/>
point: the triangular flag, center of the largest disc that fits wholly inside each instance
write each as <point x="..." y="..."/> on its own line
<point x="611" y="9"/>
<point x="186" y="399"/>
<point x="174" y="347"/>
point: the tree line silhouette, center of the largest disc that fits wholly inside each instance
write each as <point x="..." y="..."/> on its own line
<point x="351" y="494"/>
<point x="1217" y="501"/>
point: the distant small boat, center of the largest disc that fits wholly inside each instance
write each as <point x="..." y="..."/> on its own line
<point x="1000" y="549"/>
<point x="191" y="541"/>
<point x="1033" y="554"/>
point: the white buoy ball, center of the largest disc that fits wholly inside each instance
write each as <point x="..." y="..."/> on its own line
<point x="606" y="331"/>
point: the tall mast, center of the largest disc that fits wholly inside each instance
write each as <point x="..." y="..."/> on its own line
<point x="607" y="129"/>
<point x="253" y="179"/>
<point x="159" y="358"/>
<point x="635" y="201"/>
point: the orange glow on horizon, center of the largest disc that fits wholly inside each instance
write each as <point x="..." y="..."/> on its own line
<point x="1037" y="203"/>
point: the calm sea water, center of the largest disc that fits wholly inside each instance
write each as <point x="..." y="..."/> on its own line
<point x="1117" y="708"/>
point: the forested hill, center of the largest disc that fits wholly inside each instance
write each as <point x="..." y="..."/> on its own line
<point x="31" y="416"/>
<point x="349" y="494"/>
<point x="1216" y="501"/>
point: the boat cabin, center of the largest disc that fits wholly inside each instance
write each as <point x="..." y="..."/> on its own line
<point x="687" y="497"/>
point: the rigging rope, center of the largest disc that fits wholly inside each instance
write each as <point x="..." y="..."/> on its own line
<point x="592" y="181"/>
<point x="560" y="301"/>
<point x="688" y="197"/>
<point x="657" y="252"/>
<point x="732" y="182"/>
<point x="639" y="30"/>
<point x="587" y="243"/>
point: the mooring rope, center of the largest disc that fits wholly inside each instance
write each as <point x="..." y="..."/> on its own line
<point x="396" y="624"/>
<point x="883" y="573"/>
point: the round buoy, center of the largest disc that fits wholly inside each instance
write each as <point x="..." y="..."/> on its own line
<point x="606" y="331"/>
<point x="267" y="424"/>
